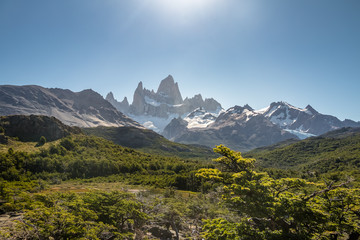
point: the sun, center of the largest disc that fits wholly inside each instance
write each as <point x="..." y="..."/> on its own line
<point x="183" y="11"/>
<point x="182" y="5"/>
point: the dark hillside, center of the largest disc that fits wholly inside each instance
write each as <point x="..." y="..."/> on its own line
<point x="31" y="128"/>
<point x="149" y="141"/>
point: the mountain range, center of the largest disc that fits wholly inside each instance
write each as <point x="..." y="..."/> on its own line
<point x="243" y="128"/>
<point x="191" y="120"/>
<point x="198" y="121"/>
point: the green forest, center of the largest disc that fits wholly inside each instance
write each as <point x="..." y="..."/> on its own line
<point x="85" y="187"/>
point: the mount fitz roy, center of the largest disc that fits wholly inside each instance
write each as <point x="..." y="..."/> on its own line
<point x="198" y="121"/>
<point x="155" y="110"/>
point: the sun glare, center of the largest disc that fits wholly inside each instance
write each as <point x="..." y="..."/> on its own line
<point x="183" y="11"/>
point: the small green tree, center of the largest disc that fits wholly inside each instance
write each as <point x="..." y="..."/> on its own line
<point x="68" y="144"/>
<point x="42" y="140"/>
<point x="11" y="151"/>
<point x="286" y="208"/>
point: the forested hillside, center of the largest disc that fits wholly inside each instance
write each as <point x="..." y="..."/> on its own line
<point x="81" y="156"/>
<point x="332" y="152"/>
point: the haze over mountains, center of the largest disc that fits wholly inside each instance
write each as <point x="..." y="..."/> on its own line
<point x="191" y="120"/>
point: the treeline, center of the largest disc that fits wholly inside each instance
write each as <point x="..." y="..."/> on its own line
<point x="80" y="156"/>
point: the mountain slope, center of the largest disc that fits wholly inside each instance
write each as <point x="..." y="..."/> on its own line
<point x="149" y="141"/>
<point x="306" y="122"/>
<point x="84" y="109"/>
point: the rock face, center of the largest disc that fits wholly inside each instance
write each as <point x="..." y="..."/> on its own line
<point x="83" y="109"/>
<point x="169" y="91"/>
<point x="124" y="105"/>
<point x="176" y="127"/>
<point x="156" y="109"/>
<point x="31" y="128"/>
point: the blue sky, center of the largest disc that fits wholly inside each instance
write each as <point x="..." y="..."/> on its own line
<point x="238" y="52"/>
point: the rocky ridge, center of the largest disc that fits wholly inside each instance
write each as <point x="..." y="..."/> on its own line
<point x="83" y="109"/>
<point x="303" y="122"/>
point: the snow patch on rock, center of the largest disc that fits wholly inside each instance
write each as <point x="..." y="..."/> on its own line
<point x="200" y="118"/>
<point x="156" y="124"/>
<point x="300" y="134"/>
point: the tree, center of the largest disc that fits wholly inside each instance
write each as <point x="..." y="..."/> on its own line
<point x="42" y="141"/>
<point x="286" y="208"/>
<point x="116" y="208"/>
<point x="93" y="215"/>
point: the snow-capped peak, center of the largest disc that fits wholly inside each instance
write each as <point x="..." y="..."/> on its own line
<point x="237" y="113"/>
<point x="238" y="109"/>
<point x="197" y="112"/>
<point x="287" y="116"/>
<point x="276" y="107"/>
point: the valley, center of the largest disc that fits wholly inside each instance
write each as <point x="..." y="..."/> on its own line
<point x="95" y="186"/>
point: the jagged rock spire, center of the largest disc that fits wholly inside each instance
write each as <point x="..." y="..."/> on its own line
<point x="170" y="91"/>
<point x="110" y="96"/>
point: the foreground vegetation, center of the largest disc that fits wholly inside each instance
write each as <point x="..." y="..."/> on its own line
<point x="78" y="188"/>
<point x="285" y="208"/>
<point x="110" y="215"/>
